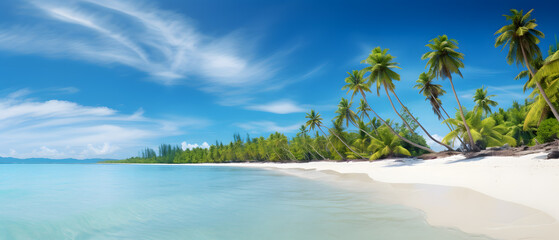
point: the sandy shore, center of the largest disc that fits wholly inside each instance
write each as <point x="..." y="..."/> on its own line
<point x="501" y="197"/>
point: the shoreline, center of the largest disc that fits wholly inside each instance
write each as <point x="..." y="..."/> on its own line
<point x="501" y="197"/>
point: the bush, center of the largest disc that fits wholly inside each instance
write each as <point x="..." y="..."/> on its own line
<point x="548" y="130"/>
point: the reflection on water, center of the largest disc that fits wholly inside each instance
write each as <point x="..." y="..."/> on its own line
<point x="194" y="202"/>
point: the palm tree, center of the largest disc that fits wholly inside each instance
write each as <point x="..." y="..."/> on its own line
<point x="315" y="121"/>
<point x="432" y="92"/>
<point x="362" y="141"/>
<point x="522" y="37"/>
<point x="515" y="124"/>
<point x="361" y="88"/>
<point x="356" y="82"/>
<point x="483" y="101"/>
<point x="362" y="112"/>
<point x="303" y="132"/>
<point x="485" y="132"/>
<point x="337" y="131"/>
<point x="383" y="75"/>
<point x="548" y="77"/>
<point x="386" y="145"/>
<point x="443" y="61"/>
<point x="346" y="114"/>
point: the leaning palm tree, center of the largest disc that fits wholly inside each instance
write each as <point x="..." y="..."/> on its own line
<point x="383" y="75"/>
<point x="362" y="87"/>
<point x="483" y="101"/>
<point x="315" y="121"/>
<point x="345" y="114"/>
<point x="432" y="92"/>
<point x="522" y="37"/>
<point x="443" y="61"/>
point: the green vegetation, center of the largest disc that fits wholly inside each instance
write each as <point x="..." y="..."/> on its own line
<point x="548" y="130"/>
<point x="360" y="135"/>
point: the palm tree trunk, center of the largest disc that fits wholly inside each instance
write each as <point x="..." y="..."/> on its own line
<point x="294" y="158"/>
<point x="449" y="127"/>
<point x="372" y="123"/>
<point x="279" y="157"/>
<point x="331" y="143"/>
<point x="316" y="151"/>
<point x="362" y="130"/>
<point x="542" y="92"/>
<point x="345" y="143"/>
<point x="472" y="144"/>
<point x="415" y="120"/>
<point x="392" y="130"/>
<point x="396" y="111"/>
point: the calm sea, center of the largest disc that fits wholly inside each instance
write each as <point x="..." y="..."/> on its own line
<point x="94" y="201"/>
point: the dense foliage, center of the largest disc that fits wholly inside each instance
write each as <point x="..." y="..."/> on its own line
<point x="548" y="130"/>
<point x="363" y="134"/>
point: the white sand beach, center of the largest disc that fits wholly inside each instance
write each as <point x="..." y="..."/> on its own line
<point x="501" y="197"/>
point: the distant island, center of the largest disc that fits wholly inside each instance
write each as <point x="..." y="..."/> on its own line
<point x="10" y="160"/>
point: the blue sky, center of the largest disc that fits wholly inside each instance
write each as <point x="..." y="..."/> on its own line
<point x="105" y="78"/>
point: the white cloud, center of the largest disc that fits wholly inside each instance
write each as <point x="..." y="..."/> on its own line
<point x="432" y="144"/>
<point x="267" y="127"/>
<point x="278" y="107"/>
<point x="185" y="145"/>
<point x="161" y="43"/>
<point x="63" y="129"/>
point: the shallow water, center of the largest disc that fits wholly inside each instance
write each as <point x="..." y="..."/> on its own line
<point x="94" y="201"/>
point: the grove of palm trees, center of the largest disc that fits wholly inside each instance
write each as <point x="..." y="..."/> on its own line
<point x="359" y="132"/>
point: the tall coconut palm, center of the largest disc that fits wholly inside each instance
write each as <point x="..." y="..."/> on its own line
<point x="362" y="88"/>
<point x="443" y="61"/>
<point x="483" y="101"/>
<point x="432" y="92"/>
<point x="315" y="121"/>
<point x="345" y="114"/>
<point x="522" y="37"/>
<point x="383" y="75"/>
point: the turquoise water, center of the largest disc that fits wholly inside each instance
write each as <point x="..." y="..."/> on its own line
<point x="93" y="201"/>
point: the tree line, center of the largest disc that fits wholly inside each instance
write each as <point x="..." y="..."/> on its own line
<point x="534" y="121"/>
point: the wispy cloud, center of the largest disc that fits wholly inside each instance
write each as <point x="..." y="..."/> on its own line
<point x="278" y="107"/>
<point x="60" y="129"/>
<point x="505" y="93"/>
<point x="267" y="127"/>
<point x="165" y="45"/>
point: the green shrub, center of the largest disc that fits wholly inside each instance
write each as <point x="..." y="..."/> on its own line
<point x="548" y="130"/>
